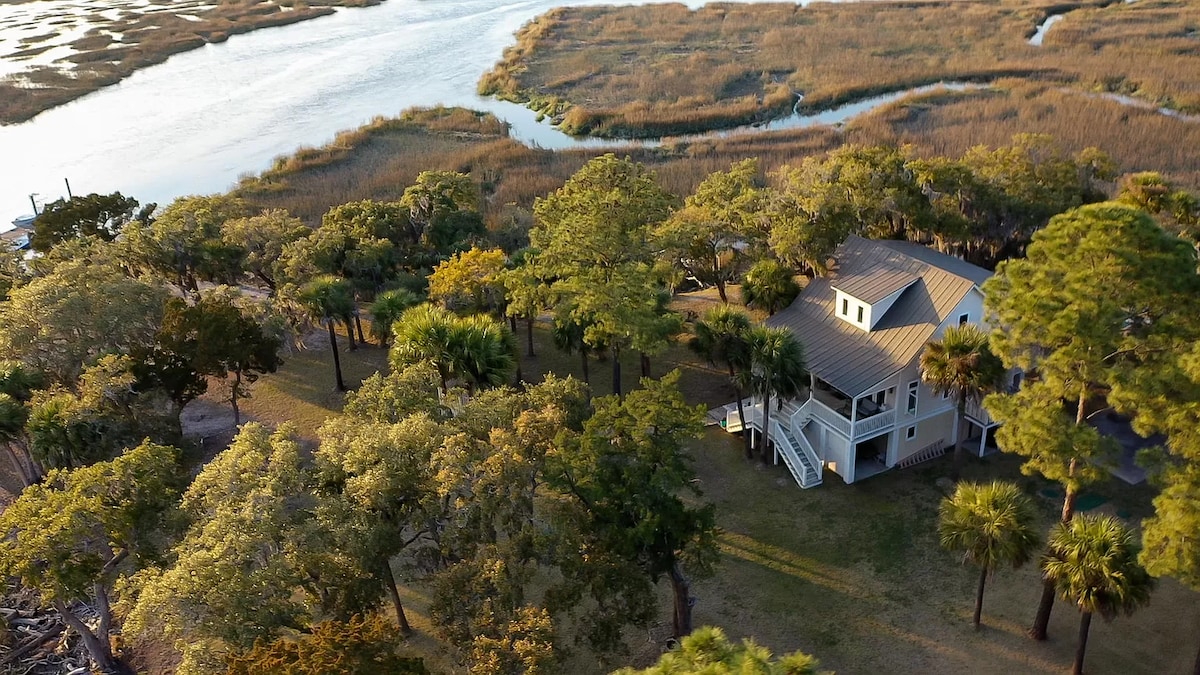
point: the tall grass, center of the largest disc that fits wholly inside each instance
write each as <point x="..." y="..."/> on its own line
<point x="664" y="69"/>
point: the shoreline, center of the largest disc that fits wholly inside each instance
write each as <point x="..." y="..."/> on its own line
<point x="99" y="62"/>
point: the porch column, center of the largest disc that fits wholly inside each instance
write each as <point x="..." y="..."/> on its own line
<point x="853" y="419"/>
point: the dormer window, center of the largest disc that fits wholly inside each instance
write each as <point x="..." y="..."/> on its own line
<point x="870" y="292"/>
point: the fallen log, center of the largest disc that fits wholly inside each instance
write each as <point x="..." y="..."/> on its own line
<point x="32" y="644"/>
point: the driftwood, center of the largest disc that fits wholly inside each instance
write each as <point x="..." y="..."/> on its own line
<point x="35" y="641"/>
<point x="32" y="644"/>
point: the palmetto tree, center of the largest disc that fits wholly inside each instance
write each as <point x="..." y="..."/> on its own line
<point x="991" y="525"/>
<point x="964" y="367"/>
<point x="387" y="308"/>
<point x="484" y="351"/>
<point x="776" y="369"/>
<point x="327" y="300"/>
<point x="769" y="286"/>
<point x="568" y="336"/>
<point x="722" y="337"/>
<point x="1093" y="562"/>
<point x="424" y="333"/>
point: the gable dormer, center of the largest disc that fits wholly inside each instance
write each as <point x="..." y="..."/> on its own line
<point x="863" y="298"/>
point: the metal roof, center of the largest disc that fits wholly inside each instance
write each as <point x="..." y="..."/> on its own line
<point x="853" y="360"/>
<point x="875" y="282"/>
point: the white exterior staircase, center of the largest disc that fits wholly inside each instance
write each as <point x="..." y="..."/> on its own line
<point x="786" y="433"/>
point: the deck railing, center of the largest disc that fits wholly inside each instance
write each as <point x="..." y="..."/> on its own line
<point x="874" y="423"/>
<point x="830" y="417"/>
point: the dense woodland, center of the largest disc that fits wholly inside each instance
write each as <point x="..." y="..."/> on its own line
<point x="540" y="516"/>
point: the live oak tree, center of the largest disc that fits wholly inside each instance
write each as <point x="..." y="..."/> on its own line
<point x="93" y="215"/>
<point x="388" y="399"/>
<point x="105" y="413"/>
<point x="65" y="320"/>
<point x="74" y="536"/>
<point x="1100" y="293"/>
<point x="255" y="563"/>
<point x="717" y="222"/>
<point x="361" y="645"/>
<point x="624" y="476"/>
<point x="378" y="480"/>
<point x="184" y="244"/>
<point x="708" y="650"/>
<point x="991" y="525"/>
<point x="593" y="239"/>
<point x="470" y="282"/>
<point x="263" y="238"/>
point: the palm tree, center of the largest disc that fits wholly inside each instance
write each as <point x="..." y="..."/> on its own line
<point x="423" y="333"/>
<point x="721" y="337"/>
<point x="387" y="308"/>
<point x="484" y="351"/>
<point x="776" y="369"/>
<point x="769" y="286"/>
<point x="992" y="525"/>
<point x="328" y="299"/>
<point x="964" y="367"/>
<point x="568" y="336"/>
<point x="1092" y="561"/>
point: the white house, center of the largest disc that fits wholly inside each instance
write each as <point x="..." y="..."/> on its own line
<point x="863" y="328"/>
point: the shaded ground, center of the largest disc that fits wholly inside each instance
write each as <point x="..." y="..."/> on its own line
<point x="853" y="574"/>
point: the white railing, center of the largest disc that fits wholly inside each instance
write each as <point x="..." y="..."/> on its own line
<point x="800" y="416"/>
<point x="811" y="455"/>
<point x="830" y="417"/>
<point x="874" y="423"/>
<point x="784" y="448"/>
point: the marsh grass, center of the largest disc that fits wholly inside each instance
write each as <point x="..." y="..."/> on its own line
<point x="652" y="70"/>
<point x="1138" y="139"/>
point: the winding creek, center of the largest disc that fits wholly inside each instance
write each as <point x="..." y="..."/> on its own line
<point x="195" y="123"/>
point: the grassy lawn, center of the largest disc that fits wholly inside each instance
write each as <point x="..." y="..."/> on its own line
<point x="851" y="574"/>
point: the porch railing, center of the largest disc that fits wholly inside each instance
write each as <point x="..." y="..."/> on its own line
<point x="830" y="417"/>
<point x="874" y="423"/>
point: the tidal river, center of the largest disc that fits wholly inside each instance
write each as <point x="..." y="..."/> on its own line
<point x="196" y="122"/>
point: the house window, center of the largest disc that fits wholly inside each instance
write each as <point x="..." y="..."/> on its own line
<point x="860" y="313"/>
<point x="910" y="433"/>
<point x="1016" y="381"/>
<point x="845" y="307"/>
<point x="879" y="398"/>
<point x="963" y="318"/>
<point x="912" y="397"/>
<point x="945" y="394"/>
